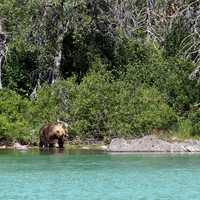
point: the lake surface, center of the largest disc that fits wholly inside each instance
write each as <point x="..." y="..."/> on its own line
<point x="98" y="176"/>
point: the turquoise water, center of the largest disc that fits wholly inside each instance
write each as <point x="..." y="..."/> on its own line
<point x="98" y="176"/>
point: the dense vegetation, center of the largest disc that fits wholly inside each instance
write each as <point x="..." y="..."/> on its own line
<point x="108" y="68"/>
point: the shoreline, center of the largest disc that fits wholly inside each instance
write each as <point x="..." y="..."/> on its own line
<point x="146" y="145"/>
<point x="93" y="147"/>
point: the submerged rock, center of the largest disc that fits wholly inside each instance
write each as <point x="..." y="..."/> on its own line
<point x="20" y="147"/>
<point x="152" y="144"/>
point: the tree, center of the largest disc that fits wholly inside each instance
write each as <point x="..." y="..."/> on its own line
<point x="3" y="47"/>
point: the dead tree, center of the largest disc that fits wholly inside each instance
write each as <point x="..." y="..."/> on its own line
<point x="3" y="47"/>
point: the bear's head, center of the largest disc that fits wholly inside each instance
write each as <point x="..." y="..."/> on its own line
<point x="60" y="131"/>
<point x="64" y="126"/>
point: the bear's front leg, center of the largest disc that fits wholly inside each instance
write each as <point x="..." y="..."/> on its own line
<point x="60" y="143"/>
<point x="41" y="144"/>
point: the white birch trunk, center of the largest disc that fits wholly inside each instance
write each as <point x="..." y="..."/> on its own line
<point x="57" y="65"/>
<point x="3" y="50"/>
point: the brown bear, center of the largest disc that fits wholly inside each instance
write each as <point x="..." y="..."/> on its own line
<point x="51" y="134"/>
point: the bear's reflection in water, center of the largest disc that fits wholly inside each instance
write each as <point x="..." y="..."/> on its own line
<point x="51" y="150"/>
<point x="63" y="151"/>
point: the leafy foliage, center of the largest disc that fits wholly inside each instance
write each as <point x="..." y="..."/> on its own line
<point x="13" y="112"/>
<point x="100" y="106"/>
<point x="108" y="68"/>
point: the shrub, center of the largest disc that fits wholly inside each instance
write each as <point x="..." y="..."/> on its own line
<point x="13" y="112"/>
<point x="139" y="113"/>
<point x="103" y="107"/>
<point x="53" y="102"/>
<point x="184" y="129"/>
<point x="170" y="77"/>
<point x="90" y="107"/>
<point x="194" y="116"/>
<point x="153" y="111"/>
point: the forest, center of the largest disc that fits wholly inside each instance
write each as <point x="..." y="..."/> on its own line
<point x="109" y="68"/>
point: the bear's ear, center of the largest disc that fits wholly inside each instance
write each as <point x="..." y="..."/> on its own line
<point x="65" y="125"/>
<point x="62" y="123"/>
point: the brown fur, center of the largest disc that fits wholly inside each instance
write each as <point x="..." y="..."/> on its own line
<point x="51" y="134"/>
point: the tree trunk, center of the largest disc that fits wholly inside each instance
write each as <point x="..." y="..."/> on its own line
<point x="62" y="27"/>
<point x="3" y="49"/>
<point x="34" y="93"/>
<point x="55" y="73"/>
<point x="0" y="73"/>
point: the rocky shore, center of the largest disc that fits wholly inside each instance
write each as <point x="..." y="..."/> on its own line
<point x="16" y="146"/>
<point x="68" y="146"/>
<point x="145" y="144"/>
<point x="152" y="144"/>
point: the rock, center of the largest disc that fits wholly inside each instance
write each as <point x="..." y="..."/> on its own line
<point x="152" y="144"/>
<point x="192" y="142"/>
<point x="85" y="148"/>
<point x="191" y="147"/>
<point x="145" y="144"/>
<point x="3" y="147"/>
<point x="20" y="147"/>
<point x="119" y="144"/>
<point x="104" y="147"/>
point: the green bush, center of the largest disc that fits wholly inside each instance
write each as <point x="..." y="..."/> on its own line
<point x="21" y="119"/>
<point x="90" y="107"/>
<point x="103" y="107"/>
<point x="184" y="129"/>
<point x="52" y="102"/>
<point x="194" y="116"/>
<point x="138" y="113"/>
<point x="153" y="111"/>
<point x="13" y="117"/>
<point x="170" y="77"/>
